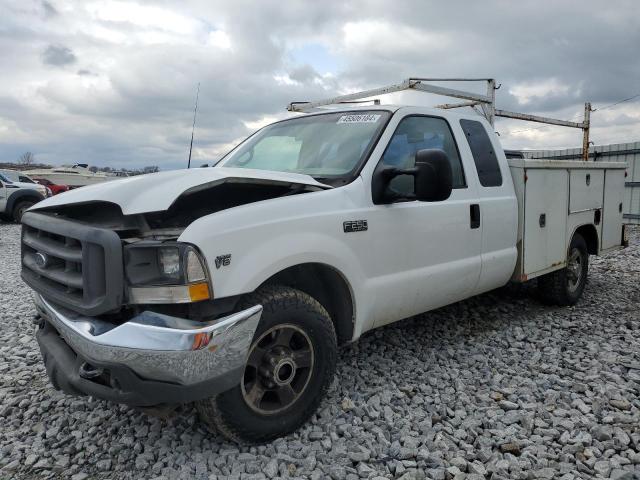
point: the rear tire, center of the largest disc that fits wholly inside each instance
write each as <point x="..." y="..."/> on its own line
<point x="291" y="364"/>
<point x="565" y="287"/>
<point x="20" y="208"/>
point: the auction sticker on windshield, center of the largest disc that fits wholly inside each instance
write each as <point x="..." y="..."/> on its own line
<point x="359" y="118"/>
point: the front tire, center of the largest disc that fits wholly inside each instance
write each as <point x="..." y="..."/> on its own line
<point x="565" y="287"/>
<point x="291" y="363"/>
<point x="20" y="208"/>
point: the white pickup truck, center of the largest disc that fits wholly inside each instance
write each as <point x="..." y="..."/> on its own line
<point x="18" y="193"/>
<point x="233" y="286"/>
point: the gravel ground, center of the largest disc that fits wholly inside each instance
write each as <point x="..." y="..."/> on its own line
<point x="498" y="386"/>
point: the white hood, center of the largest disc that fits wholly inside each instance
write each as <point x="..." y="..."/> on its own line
<point x="157" y="191"/>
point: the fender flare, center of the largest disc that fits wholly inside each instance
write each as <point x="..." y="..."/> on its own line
<point x="593" y="240"/>
<point x="22" y="194"/>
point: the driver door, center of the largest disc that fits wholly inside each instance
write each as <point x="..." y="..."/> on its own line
<point x="429" y="252"/>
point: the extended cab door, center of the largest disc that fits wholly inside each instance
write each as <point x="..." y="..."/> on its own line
<point x="497" y="203"/>
<point x="428" y="254"/>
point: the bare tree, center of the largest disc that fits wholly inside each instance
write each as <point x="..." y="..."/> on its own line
<point x="93" y="169"/>
<point x="27" y="158"/>
<point x="150" y="169"/>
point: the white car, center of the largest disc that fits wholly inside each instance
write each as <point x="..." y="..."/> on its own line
<point x="17" y="196"/>
<point x="233" y="286"/>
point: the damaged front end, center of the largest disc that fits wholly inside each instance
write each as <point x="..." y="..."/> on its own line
<point x="106" y="257"/>
<point x="128" y="312"/>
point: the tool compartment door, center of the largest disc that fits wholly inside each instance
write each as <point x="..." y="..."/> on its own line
<point x="545" y="223"/>
<point x="612" y="212"/>
<point x="585" y="190"/>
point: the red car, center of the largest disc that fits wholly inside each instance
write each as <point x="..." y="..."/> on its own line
<point x="55" y="189"/>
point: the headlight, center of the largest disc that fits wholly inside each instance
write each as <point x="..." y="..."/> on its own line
<point x="165" y="273"/>
<point x="169" y="260"/>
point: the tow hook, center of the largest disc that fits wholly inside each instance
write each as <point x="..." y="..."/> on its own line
<point x="38" y="320"/>
<point x="89" y="372"/>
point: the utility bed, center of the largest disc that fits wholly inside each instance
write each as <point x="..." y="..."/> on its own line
<point x="554" y="198"/>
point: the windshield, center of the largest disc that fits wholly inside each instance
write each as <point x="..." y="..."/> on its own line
<point x="329" y="146"/>
<point x="10" y="174"/>
<point x="16" y="176"/>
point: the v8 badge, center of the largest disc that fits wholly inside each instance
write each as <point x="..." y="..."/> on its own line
<point x="223" y="260"/>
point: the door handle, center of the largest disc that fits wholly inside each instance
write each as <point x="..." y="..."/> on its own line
<point x="474" y="215"/>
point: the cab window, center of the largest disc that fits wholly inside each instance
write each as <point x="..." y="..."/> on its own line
<point x="417" y="133"/>
<point x="483" y="153"/>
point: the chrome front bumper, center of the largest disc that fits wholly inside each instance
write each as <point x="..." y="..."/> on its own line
<point x="159" y="347"/>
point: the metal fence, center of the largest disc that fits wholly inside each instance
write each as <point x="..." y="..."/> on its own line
<point x="618" y="152"/>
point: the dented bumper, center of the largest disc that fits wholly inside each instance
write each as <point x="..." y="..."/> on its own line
<point x="149" y="360"/>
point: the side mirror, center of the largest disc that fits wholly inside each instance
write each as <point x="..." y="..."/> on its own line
<point x="433" y="179"/>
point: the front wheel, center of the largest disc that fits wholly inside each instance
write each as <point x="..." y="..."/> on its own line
<point x="20" y="208"/>
<point x="565" y="287"/>
<point x="290" y="365"/>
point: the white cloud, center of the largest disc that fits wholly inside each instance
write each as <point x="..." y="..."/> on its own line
<point x="220" y="39"/>
<point x="285" y="79"/>
<point x="127" y="97"/>
<point x="259" y="123"/>
<point x="111" y="35"/>
<point x="146" y="16"/>
<point x="10" y="131"/>
<point x="526" y="92"/>
<point x="388" y="38"/>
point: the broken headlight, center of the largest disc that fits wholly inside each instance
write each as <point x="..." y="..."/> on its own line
<point x="166" y="273"/>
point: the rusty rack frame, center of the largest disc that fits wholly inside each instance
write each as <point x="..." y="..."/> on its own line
<point x="473" y="100"/>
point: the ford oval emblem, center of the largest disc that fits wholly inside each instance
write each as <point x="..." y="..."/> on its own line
<point x="41" y="260"/>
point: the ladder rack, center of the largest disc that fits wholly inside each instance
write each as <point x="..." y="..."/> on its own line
<point x="473" y="100"/>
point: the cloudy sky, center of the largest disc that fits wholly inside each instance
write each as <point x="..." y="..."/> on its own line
<point x="114" y="82"/>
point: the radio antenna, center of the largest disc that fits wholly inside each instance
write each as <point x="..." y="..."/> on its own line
<point x="195" y="111"/>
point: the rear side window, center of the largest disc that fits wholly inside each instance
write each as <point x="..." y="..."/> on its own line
<point x="483" y="154"/>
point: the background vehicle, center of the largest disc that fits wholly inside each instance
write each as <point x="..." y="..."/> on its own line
<point x="55" y="188"/>
<point x="234" y="285"/>
<point x="17" y="197"/>
<point x="23" y="180"/>
<point x="78" y="175"/>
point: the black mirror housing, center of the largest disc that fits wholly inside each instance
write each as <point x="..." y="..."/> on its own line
<point x="434" y="177"/>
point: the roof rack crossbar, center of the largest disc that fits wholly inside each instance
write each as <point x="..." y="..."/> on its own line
<point x="447" y="106"/>
<point x="536" y="118"/>
<point x="485" y="102"/>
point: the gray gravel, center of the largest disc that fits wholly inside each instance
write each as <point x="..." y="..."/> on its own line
<point x="498" y="386"/>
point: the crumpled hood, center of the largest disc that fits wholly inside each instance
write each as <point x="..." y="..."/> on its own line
<point x="157" y="191"/>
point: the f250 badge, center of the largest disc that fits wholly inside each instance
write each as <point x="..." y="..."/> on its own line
<point x="223" y="260"/>
<point x="355" y="226"/>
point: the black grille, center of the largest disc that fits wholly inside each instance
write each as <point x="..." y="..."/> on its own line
<point x="75" y="265"/>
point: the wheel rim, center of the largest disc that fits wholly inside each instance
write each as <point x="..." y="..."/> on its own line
<point x="574" y="270"/>
<point x="278" y="369"/>
<point x="20" y="212"/>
